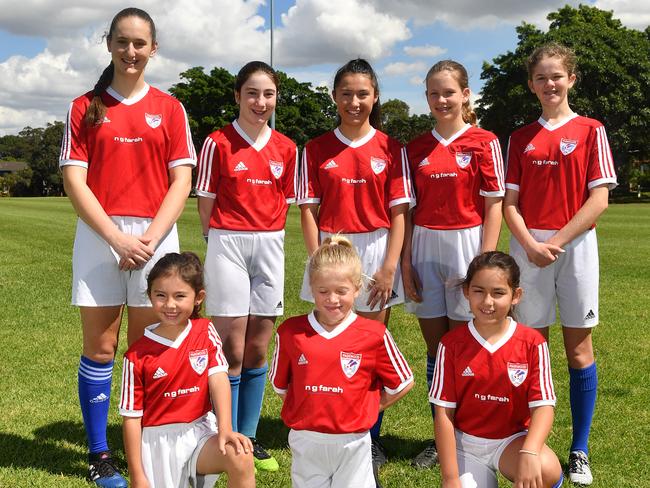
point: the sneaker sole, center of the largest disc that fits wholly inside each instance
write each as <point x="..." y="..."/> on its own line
<point x="581" y="479"/>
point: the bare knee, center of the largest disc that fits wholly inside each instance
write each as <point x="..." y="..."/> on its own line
<point x="551" y="468"/>
<point x="239" y="466"/>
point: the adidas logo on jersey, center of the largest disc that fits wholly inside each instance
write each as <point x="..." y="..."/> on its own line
<point x="590" y="316"/>
<point x="468" y="372"/>
<point x="99" y="398"/>
<point x="302" y="360"/>
<point x="106" y="120"/>
<point x="160" y="373"/>
<point x="424" y="162"/>
<point x="529" y="147"/>
<point x="241" y="167"/>
<point x="331" y="164"/>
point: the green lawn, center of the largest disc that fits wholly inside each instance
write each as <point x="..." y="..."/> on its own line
<point x="41" y="434"/>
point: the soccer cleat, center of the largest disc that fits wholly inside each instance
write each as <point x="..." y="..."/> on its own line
<point x="427" y="458"/>
<point x="375" y="473"/>
<point x="378" y="453"/>
<point x="263" y="460"/>
<point x="579" y="470"/>
<point x="103" y="471"/>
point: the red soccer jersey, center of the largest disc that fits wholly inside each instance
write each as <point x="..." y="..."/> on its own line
<point x="129" y="154"/>
<point x="452" y="177"/>
<point x="492" y="386"/>
<point x="355" y="183"/>
<point x="252" y="185"/>
<point x="166" y="382"/>
<point x="553" y="167"/>
<point x="332" y="380"/>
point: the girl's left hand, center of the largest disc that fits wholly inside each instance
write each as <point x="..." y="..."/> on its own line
<point x="529" y="472"/>
<point x="240" y="442"/>
<point x="127" y="264"/>
<point x="381" y="288"/>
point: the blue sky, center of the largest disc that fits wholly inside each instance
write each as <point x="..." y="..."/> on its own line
<point x="45" y="64"/>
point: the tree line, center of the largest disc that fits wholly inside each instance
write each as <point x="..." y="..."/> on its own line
<point x="613" y="87"/>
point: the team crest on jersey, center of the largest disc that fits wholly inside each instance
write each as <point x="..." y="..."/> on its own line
<point x="350" y="363"/>
<point x="377" y="164"/>
<point x="276" y="168"/>
<point x="567" y="146"/>
<point x="529" y="147"/>
<point x="517" y="373"/>
<point x="199" y="360"/>
<point x="463" y="159"/>
<point x="153" y="120"/>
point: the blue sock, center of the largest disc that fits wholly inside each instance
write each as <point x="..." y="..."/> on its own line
<point x="431" y="365"/>
<point x="375" y="429"/>
<point x="234" y="398"/>
<point x="560" y="481"/>
<point x="94" y="399"/>
<point x="583" y="384"/>
<point x="251" y="395"/>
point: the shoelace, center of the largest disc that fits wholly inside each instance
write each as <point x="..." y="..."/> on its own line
<point x="103" y="468"/>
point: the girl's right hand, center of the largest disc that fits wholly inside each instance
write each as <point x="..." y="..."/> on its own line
<point x="412" y="283"/>
<point x="133" y="252"/>
<point x="541" y="254"/>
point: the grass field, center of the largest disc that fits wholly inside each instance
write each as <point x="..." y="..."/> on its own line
<point x="42" y="440"/>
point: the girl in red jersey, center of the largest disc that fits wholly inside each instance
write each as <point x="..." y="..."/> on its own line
<point x="457" y="170"/>
<point x="246" y="181"/>
<point x="127" y="159"/>
<point x="172" y="379"/>
<point x="334" y="370"/>
<point x="355" y="181"/>
<point x="566" y="159"/>
<point x="492" y="389"/>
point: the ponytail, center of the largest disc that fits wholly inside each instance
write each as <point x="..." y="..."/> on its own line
<point x="96" y="111"/>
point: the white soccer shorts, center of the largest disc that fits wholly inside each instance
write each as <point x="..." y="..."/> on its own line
<point x="478" y="459"/>
<point x="170" y="453"/>
<point x="96" y="278"/>
<point x="244" y="273"/>
<point x="330" y="460"/>
<point x="571" y="281"/>
<point x="371" y="247"/>
<point x="441" y="259"/>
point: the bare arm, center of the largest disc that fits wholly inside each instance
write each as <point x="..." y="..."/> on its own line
<point x="529" y="468"/>
<point x="387" y="399"/>
<point x="446" y="445"/>
<point x="220" y="395"/>
<point x="410" y="278"/>
<point x="132" y="431"/>
<point x="309" y="223"/>
<point x="491" y="223"/>
<point x="205" y="206"/>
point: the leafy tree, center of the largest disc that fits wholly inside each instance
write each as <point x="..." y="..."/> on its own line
<point x="398" y="123"/>
<point x="613" y="85"/>
<point x="45" y="146"/>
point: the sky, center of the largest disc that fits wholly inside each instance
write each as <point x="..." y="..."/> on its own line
<point x="52" y="50"/>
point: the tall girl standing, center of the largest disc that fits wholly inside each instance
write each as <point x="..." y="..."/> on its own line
<point x="355" y="181"/>
<point x="127" y="159"/>
<point x="560" y="171"/>
<point x="457" y="171"/>
<point x="246" y="181"/>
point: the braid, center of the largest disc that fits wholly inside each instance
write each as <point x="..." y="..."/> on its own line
<point x="97" y="110"/>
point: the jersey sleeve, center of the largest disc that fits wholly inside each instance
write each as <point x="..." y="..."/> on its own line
<point x="217" y="362"/>
<point x="280" y="371"/>
<point x="309" y="190"/>
<point x="181" y="148"/>
<point x="392" y="369"/>
<point x="443" y="388"/>
<point x="208" y="169"/>
<point x="540" y="391"/>
<point x="601" y="163"/>
<point x="491" y="168"/>
<point x="513" y="166"/>
<point x="132" y="392"/>
<point x="74" y="151"/>
<point x="290" y="176"/>
<point x="400" y="189"/>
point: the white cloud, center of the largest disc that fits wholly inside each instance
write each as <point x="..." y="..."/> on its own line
<point x="13" y="121"/>
<point x="426" y="51"/>
<point x="334" y="31"/>
<point x="629" y="12"/>
<point x="401" y="68"/>
<point x="417" y="81"/>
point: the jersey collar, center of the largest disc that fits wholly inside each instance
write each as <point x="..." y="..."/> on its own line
<point x="492" y="348"/>
<point x="551" y="127"/>
<point x="446" y="142"/>
<point x="258" y="146"/>
<point x="149" y="332"/>
<point x="326" y="334"/>
<point x="131" y="100"/>
<point x="358" y="142"/>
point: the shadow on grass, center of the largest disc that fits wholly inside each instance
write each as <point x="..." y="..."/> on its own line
<point x="400" y="449"/>
<point x="45" y="451"/>
<point x="272" y="433"/>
